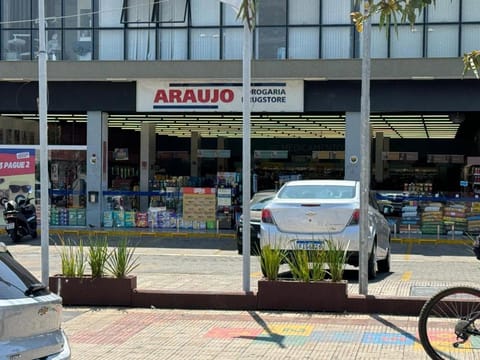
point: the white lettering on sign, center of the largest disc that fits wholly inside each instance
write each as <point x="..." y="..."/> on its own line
<point x="15" y="165"/>
<point x="23" y="155"/>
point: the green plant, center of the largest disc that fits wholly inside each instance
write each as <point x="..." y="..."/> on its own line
<point x="98" y="255"/>
<point x="72" y="257"/>
<point x="307" y="264"/>
<point x="270" y="260"/>
<point x="335" y="257"/>
<point x="122" y="260"/>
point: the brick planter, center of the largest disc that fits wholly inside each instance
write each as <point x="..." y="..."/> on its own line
<point x="302" y="296"/>
<point x="104" y="291"/>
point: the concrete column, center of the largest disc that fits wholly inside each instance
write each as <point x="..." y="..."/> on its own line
<point x="97" y="164"/>
<point x="379" y="143"/>
<point x="148" y="148"/>
<point x="352" y="146"/>
<point x="221" y="162"/>
<point x="194" y="146"/>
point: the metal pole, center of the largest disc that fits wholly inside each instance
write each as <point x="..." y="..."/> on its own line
<point x="364" y="156"/>
<point x="42" y="112"/>
<point x="246" y="163"/>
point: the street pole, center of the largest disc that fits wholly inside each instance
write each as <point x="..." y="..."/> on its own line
<point x="42" y="112"/>
<point x="364" y="154"/>
<point x="246" y="161"/>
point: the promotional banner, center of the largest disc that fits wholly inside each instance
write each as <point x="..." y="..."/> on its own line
<point x="175" y="96"/>
<point x="17" y="174"/>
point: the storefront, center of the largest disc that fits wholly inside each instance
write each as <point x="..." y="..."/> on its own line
<point x="105" y="174"/>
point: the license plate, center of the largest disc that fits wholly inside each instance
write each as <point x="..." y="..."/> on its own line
<point x="309" y="245"/>
<point x="10" y="226"/>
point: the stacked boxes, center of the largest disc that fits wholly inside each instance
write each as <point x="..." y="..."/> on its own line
<point x="130" y="219"/>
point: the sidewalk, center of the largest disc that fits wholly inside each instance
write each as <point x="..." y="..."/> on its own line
<point x="109" y="333"/>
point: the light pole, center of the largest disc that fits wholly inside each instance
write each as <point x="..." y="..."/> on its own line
<point x="42" y="114"/>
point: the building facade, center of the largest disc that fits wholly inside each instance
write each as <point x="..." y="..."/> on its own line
<point x="143" y="94"/>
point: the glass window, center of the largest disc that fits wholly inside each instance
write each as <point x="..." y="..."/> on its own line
<point x="13" y="11"/>
<point x="444" y="11"/>
<point x="442" y="41"/>
<point x="336" y="42"/>
<point x="304" y="12"/>
<point x="303" y="43"/>
<point x="230" y="16"/>
<point x="470" y="36"/>
<point x="78" y="45"/>
<point x="17" y="44"/>
<point x="470" y="10"/>
<point x="54" y="44"/>
<point x="379" y="42"/>
<point x="78" y="13"/>
<point x="173" y="44"/>
<point x="109" y="13"/>
<point x="271" y="43"/>
<point x="173" y="13"/>
<point x="205" y="44"/>
<point x="336" y="11"/>
<point x="140" y="44"/>
<point x="205" y="12"/>
<point x="272" y="12"/>
<point x="15" y="279"/>
<point x="110" y="45"/>
<point x="407" y="42"/>
<point x="232" y="44"/>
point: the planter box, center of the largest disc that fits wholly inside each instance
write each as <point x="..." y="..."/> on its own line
<point x="302" y="296"/>
<point x="104" y="291"/>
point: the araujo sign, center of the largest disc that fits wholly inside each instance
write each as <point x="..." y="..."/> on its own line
<point x="176" y="96"/>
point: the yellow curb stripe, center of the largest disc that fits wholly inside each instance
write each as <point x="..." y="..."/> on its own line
<point x="408" y="251"/>
<point x="406" y="276"/>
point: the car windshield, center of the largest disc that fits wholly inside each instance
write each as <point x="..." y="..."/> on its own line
<point x="15" y="281"/>
<point x="317" y="192"/>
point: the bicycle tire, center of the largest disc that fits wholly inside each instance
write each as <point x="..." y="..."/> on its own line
<point x="442" y="316"/>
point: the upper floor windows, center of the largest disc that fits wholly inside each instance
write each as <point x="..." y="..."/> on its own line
<point x="210" y="30"/>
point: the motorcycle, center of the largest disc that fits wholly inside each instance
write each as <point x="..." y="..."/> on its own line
<point x="20" y="219"/>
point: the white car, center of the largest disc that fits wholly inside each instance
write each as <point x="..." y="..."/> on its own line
<point x="305" y="213"/>
<point x="30" y="315"/>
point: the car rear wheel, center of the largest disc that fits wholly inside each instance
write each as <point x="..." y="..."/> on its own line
<point x="384" y="265"/>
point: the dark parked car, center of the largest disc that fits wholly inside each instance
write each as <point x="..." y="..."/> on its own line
<point x="30" y="315"/>
<point x="258" y="202"/>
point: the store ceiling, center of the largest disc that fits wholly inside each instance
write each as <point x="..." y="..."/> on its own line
<point x="276" y="125"/>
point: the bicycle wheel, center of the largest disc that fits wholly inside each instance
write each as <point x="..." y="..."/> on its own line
<point x="446" y="325"/>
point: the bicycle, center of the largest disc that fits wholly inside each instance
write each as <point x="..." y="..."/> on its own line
<point x="447" y="323"/>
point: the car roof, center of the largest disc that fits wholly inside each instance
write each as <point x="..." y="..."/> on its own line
<point x="322" y="182"/>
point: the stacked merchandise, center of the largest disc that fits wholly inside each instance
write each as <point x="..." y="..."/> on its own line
<point x="54" y="216"/>
<point x="81" y="217"/>
<point x="454" y="218"/>
<point x="107" y="219"/>
<point x="432" y="219"/>
<point x="141" y="220"/>
<point x="118" y="218"/>
<point x="130" y="219"/>
<point x="473" y="218"/>
<point x="72" y="217"/>
<point x="410" y="222"/>
<point x="62" y="216"/>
